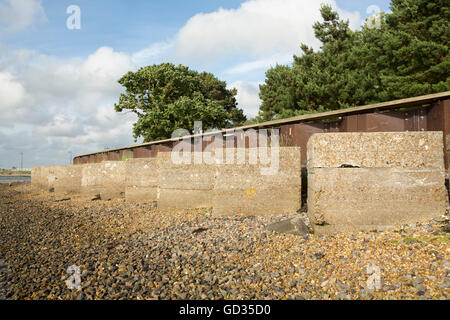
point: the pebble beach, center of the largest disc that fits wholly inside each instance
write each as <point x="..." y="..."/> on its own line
<point x="134" y="251"/>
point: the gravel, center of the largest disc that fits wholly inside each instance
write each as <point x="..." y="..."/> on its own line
<point x="134" y="251"/>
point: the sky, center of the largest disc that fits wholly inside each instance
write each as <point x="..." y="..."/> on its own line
<point x="58" y="73"/>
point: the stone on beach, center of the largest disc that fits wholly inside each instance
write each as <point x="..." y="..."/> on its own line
<point x="134" y="251"/>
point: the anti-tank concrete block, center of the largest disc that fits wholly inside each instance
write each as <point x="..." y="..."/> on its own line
<point x="361" y="181"/>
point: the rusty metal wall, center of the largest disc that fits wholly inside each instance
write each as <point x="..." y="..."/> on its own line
<point x="438" y="119"/>
<point x="435" y="117"/>
<point x="142" y="152"/>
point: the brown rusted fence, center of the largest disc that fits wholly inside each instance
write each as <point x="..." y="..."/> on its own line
<point x="424" y="113"/>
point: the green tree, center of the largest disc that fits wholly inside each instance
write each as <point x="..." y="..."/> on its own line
<point x="166" y="97"/>
<point x="409" y="53"/>
<point x="277" y="94"/>
<point x="406" y="56"/>
<point x="317" y="81"/>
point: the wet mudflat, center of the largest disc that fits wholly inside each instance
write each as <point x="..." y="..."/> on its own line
<point x="133" y="251"/>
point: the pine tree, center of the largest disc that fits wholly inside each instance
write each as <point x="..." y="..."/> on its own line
<point x="407" y="55"/>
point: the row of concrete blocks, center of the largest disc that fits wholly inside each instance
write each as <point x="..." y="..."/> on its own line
<point x="356" y="181"/>
<point x="226" y="188"/>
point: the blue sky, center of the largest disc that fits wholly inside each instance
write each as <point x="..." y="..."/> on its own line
<point x="58" y="86"/>
<point x="124" y="25"/>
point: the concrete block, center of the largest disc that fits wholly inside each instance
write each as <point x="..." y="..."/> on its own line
<point x="256" y="201"/>
<point x="51" y="176"/>
<point x="175" y="199"/>
<point x="47" y="177"/>
<point x="378" y="196"/>
<point x="106" y="178"/>
<point x="376" y="150"/>
<point x="39" y="177"/>
<point x="141" y="182"/>
<point x="187" y="177"/>
<point x="447" y="142"/>
<point x="43" y="177"/>
<point x="241" y="189"/>
<point x="66" y="179"/>
<point x="365" y="181"/>
<point x="184" y="186"/>
<point x="163" y="155"/>
<point x="36" y="177"/>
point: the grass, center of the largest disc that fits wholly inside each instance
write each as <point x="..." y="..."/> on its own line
<point x="4" y="172"/>
<point x="441" y="238"/>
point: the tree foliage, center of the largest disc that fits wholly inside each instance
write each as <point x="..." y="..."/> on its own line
<point x="166" y="97"/>
<point x="406" y="56"/>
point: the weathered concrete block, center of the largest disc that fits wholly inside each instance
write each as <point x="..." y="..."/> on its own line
<point x="46" y="177"/>
<point x="448" y="154"/>
<point x="106" y="178"/>
<point x="39" y="177"/>
<point x="378" y="196"/>
<point x="142" y="179"/>
<point x="184" y="186"/>
<point x="175" y="199"/>
<point x="242" y="189"/>
<point x="376" y="150"/>
<point x="163" y="155"/>
<point x="66" y="179"/>
<point x="365" y="181"/>
<point x="51" y="176"/>
<point x="61" y="179"/>
<point x="36" y="177"/>
<point x="45" y="182"/>
<point x="43" y="177"/>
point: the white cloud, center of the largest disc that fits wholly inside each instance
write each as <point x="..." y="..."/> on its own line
<point x="11" y="91"/>
<point x="261" y="64"/>
<point x="17" y="15"/>
<point x="258" y="28"/>
<point x="53" y="105"/>
<point x="247" y="97"/>
<point x="68" y="84"/>
<point x="103" y="68"/>
<point x="61" y="126"/>
<point x="153" y="54"/>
